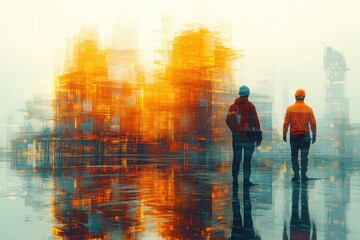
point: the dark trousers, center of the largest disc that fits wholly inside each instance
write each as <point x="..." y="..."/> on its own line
<point x="242" y="144"/>
<point x="302" y="143"/>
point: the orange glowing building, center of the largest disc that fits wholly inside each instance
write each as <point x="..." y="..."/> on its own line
<point x="192" y="97"/>
<point x="97" y="98"/>
<point x="103" y="103"/>
<point x="82" y="105"/>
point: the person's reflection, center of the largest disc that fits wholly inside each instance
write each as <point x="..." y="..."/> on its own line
<point x="240" y="230"/>
<point x="300" y="225"/>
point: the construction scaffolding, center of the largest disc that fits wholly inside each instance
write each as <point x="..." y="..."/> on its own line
<point x="103" y="104"/>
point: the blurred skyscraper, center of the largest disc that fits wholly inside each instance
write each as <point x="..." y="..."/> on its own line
<point x="335" y="122"/>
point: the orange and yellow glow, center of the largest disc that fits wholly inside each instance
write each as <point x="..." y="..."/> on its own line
<point x="104" y="101"/>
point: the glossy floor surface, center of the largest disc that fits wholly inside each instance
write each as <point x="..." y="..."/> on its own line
<point x="180" y="197"/>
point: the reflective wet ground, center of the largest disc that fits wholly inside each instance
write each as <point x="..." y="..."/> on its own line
<point x="180" y="197"/>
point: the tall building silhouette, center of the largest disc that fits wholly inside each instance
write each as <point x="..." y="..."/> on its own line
<point x="336" y="117"/>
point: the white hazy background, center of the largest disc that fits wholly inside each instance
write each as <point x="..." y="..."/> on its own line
<point x="282" y="40"/>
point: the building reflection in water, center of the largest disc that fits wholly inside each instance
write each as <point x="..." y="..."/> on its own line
<point x="187" y="197"/>
<point x="337" y="199"/>
<point x="139" y="198"/>
<point x="96" y="203"/>
<point x="242" y="229"/>
<point x="300" y="224"/>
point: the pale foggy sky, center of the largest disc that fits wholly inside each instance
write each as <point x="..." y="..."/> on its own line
<point x="284" y="39"/>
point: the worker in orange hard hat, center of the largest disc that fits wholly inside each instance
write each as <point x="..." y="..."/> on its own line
<point x="301" y="119"/>
<point x="300" y="93"/>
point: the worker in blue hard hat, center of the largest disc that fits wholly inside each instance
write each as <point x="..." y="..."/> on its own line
<point x="243" y="121"/>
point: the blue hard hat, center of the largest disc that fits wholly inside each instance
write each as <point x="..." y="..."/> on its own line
<point x="244" y="91"/>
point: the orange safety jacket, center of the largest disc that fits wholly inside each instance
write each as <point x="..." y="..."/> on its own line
<point x="299" y="116"/>
<point x="242" y="116"/>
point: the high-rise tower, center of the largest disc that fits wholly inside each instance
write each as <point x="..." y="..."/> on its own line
<point x="336" y="102"/>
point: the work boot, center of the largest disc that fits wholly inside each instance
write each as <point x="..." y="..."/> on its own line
<point x="304" y="177"/>
<point x="296" y="177"/>
<point x="248" y="183"/>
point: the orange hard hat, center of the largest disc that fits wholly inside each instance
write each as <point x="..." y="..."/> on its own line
<point x="300" y="93"/>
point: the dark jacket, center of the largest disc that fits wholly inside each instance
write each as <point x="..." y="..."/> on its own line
<point x="242" y="116"/>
